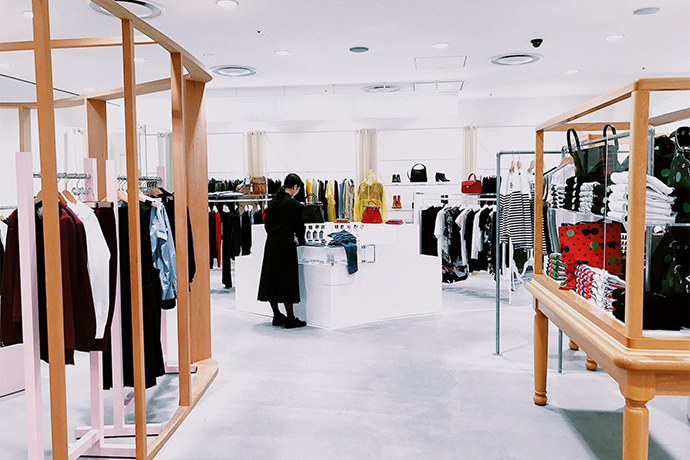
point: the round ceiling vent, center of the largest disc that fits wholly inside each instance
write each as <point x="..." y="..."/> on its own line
<point x="234" y="70"/>
<point x="381" y="88"/>
<point x="515" y="59"/>
<point x="143" y="9"/>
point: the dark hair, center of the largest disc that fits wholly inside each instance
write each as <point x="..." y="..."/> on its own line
<point x="291" y="180"/>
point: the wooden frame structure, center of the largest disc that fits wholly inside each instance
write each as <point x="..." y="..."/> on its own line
<point x="644" y="363"/>
<point x="190" y="164"/>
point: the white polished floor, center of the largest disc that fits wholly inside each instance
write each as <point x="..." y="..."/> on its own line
<point x="426" y="387"/>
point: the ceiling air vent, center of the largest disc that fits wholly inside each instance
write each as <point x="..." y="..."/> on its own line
<point x="234" y="70"/>
<point x="381" y="88"/>
<point x="515" y="59"/>
<point x="143" y="9"/>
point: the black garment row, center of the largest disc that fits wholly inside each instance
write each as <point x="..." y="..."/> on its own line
<point x="230" y="235"/>
<point x="233" y="185"/>
<point x="78" y="304"/>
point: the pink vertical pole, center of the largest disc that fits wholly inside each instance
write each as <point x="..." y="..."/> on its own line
<point x="29" y="290"/>
<point x="116" y="326"/>
<point x="91" y="184"/>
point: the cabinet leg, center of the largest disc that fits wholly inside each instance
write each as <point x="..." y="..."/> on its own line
<point x="591" y="365"/>
<point x="635" y="430"/>
<point x="541" y="345"/>
<point x="573" y="346"/>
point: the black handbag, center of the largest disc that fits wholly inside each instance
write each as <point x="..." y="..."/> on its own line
<point x="417" y="175"/>
<point x="595" y="163"/>
<point x="313" y="211"/>
<point x="679" y="174"/>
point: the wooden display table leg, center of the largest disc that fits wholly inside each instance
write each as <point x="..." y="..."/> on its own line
<point x="635" y="430"/>
<point x="541" y="342"/>
<point x="573" y="346"/>
<point x="591" y="365"/>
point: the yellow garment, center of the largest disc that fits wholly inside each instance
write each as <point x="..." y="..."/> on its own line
<point x="308" y="191"/>
<point x="370" y="190"/>
<point x="330" y="196"/>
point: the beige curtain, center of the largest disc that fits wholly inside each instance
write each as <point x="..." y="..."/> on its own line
<point x="256" y="141"/>
<point x="165" y="159"/>
<point x="366" y="153"/>
<point x="469" y="151"/>
<point x="75" y="150"/>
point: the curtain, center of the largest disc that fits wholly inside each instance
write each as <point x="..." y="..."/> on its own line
<point x="75" y="150"/>
<point x="165" y="159"/>
<point x="366" y="153"/>
<point x="256" y="141"/>
<point x="469" y="157"/>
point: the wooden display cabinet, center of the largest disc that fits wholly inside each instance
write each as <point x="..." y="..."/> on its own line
<point x="644" y="363"/>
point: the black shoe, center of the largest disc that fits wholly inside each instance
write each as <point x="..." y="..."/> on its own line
<point x="279" y="320"/>
<point x="441" y="177"/>
<point x="396" y="178"/>
<point x="292" y="323"/>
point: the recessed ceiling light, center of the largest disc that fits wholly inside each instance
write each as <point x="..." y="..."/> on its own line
<point x="646" y="11"/>
<point x="5" y="65"/>
<point x="440" y="45"/>
<point x="572" y="71"/>
<point x="139" y="60"/>
<point x="613" y="38"/>
<point x="234" y="70"/>
<point x="207" y="55"/>
<point x="515" y="59"/>
<point x="142" y="9"/>
<point x="359" y="49"/>
<point x="28" y="14"/>
<point x="87" y="90"/>
<point x="282" y="52"/>
<point x="227" y="4"/>
<point x="381" y="88"/>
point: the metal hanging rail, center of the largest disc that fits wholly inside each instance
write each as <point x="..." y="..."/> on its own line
<point x="67" y="175"/>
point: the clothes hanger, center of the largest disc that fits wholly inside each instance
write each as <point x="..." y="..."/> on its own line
<point x="532" y="166"/>
<point x="122" y="195"/>
<point x="512" y="166"/>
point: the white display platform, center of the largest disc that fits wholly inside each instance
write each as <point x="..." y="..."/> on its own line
<point x="401" y="282"/>
<point x="11" y="369"/>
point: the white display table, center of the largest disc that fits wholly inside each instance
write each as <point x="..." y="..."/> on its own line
<point x="400" y="282"/>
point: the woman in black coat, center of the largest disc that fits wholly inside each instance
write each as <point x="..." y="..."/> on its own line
<point x="279" y="281"/>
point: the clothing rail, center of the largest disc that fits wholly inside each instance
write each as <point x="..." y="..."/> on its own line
<point x="8" y="207"/>
<point x="141" y="178"/>
<point x="67" y="175"/>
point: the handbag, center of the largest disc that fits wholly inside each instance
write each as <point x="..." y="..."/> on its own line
<point x="394" y="222"/>
<point x="596" y="244"/>
<point x="679" y="174"/>
<point x="372" y="214"/>
<point x="595" y="163"/>
<point x="258" y="185"/>
<point x="417" y="174"/>
<point x="313" y="211"/>
<point x="471" y="185"/>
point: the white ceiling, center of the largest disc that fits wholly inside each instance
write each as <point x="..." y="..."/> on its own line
<point x="319" y="33"/>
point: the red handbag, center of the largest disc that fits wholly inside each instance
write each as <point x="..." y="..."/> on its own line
<point x="372" y="214"/>
<point x="471" y="185"/>
<point x="394" y="221"/>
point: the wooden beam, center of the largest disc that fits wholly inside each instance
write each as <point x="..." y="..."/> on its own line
<point x="24" y="129"/>
<point x="16" y="105"/>
<point x="51" y="229"/>
<point x="539" y="210"/>
<point x="75" y="43"/>
<point x="197" y="70"/>
<point x="634" y="294"/>
<point x="620" y="125"/>
<point x="180" y="174"/>
<point x="150" y="87"/>
<point x="598" y="103"/>
<point x="678" y="115"/>
<point x="134" y="238"/>
<point x="197" y="181"/>
<point x="662" y="84"/>
<point x="97" y="140"/>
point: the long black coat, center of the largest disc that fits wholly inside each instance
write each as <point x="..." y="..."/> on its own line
<point x="280" y="272"/>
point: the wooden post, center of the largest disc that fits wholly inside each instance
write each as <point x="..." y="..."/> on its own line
<point x="180" y="175"/>
<point x="541" y="354"/>
<point x="134" y="238"/>
<point x="51" y="228"/>
<point x="539" y="210"/>
<point x="24" y="129"/>
<point x="197" y="190"/>
<point x="637" y="186"/>
<point x="635" y="430"/>
<point x="97" y="138"/>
